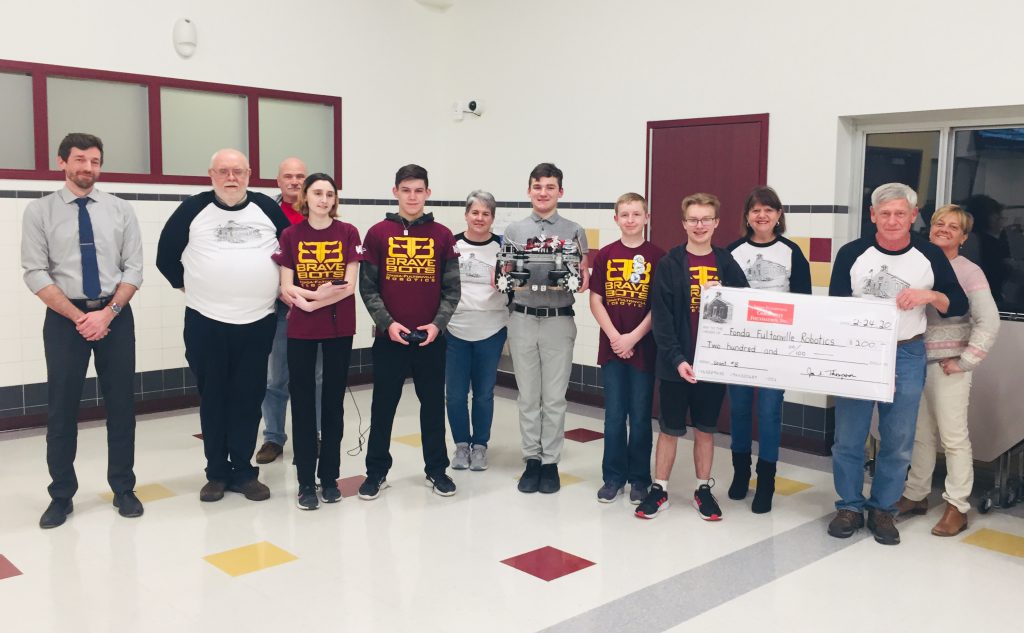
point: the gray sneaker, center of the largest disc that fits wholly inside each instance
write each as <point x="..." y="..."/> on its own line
<point x="608" y="493"/>
<point x="460" y="461"/>
<point x="478" y="458"/>
<point x="637" y="494"/>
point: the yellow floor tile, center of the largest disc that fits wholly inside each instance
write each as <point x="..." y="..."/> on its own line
<point x="412" y="439"/>
<point x="785" y="486"/>
<point x="568" y="479"/>
<point x="250" y="558"/>
<point x="147" y="493"/>
<point x="997" y="541"/>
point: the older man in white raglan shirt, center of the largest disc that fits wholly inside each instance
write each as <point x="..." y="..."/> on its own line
<point x="216" y="247"/>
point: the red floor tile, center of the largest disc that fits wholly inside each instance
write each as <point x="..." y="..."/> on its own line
<point x="198" y="436"/>
<point x="7" y="568"/>
<point x="349" y="486"/>
<point x="583" y="435"/>
<point x="548" y="563"/>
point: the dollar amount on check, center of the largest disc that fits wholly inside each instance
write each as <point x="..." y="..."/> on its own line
<point x="840" y="346"/>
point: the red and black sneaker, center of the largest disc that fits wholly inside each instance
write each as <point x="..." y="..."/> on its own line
<point x="654" y="503"/>
<point x="706" y="504"/>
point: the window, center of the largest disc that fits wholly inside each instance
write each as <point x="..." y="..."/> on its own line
<point x="156" y="129"/>
<point x="977" y="167"/>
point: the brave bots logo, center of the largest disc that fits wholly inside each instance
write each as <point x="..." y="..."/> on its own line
<point x="318" y="262"/>
<point x="627" y="281"/>
<point x="410" y="259"/>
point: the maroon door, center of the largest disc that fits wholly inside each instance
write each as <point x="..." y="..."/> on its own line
<point x="725" y="156"/>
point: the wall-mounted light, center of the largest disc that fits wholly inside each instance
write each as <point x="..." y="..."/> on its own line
<point x="185" y="37"/>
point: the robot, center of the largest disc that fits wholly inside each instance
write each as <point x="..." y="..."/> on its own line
<point x="511" y="272"/>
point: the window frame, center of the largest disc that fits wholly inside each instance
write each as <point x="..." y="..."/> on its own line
<point x="40" y="72"/>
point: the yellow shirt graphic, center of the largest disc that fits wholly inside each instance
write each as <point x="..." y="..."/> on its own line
<point x="627" y="282"/>
<point x="317" y="262"/>
<point x="410" y="259"/>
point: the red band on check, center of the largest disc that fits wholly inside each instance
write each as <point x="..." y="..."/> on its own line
<point x="768" y="312"/>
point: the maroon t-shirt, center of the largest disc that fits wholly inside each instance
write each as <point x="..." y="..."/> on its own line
<point x="703" y="268"/>
<point x="623" y="275"/>
<point x="410" y="265"/>
<point x="318" y="256"/>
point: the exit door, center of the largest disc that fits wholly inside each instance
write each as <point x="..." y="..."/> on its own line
<point x="724" y="156"/>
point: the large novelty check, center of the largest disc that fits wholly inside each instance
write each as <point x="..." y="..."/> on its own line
<point x="841" y="346"/>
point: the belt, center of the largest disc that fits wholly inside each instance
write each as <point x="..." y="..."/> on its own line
<point x="91" y="304"/>
<point x="911" y="339"/>
<point x="543" y="312"/>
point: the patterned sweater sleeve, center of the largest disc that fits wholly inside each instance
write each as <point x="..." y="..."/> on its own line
<point x="984" y="320"/>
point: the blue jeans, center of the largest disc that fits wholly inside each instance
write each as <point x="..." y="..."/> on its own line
<point x="769" y="420"/>
<point x="897" y="423"/>
<point x="628" y="392"/>
<point x="275" y="402"/>
<point x="472" y="363"/>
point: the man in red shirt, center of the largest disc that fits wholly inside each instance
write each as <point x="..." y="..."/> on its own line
<point x="290" y="176"/>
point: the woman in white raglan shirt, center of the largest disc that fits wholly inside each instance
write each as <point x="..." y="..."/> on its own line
<point x="476" y="335"/>
<point x="770" y="262"/>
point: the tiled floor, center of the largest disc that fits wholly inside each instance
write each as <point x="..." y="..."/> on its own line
<point x="488" y="559"/>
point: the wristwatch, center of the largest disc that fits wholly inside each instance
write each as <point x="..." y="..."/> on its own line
<point x="116" y="309"/>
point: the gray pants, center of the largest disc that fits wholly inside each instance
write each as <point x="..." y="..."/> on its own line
<point x="542" y="358"/>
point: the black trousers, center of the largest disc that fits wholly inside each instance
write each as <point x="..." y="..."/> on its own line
<point x="67" y="360"/>
<point x="392" y="363"/>
<point x="302" y="355"/>
<point x="230" y="365"/>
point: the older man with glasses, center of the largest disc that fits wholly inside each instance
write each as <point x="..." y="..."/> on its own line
<point x="216" y="248"/>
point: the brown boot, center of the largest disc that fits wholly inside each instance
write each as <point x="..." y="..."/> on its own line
<point x="907" y="507"/>
<point x="952" y="522"/>
<point x="269" y="452"/>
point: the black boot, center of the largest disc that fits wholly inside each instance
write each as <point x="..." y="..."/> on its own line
<point x="765" y="487"/>
<point x="741" y="476"/>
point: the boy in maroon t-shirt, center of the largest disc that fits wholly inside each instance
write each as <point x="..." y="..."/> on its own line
<point x="682" y="275"/>
<point x="409" y="281"/>
<point x="620" y="287"/>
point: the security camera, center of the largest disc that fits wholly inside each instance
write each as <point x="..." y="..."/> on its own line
<point x="475" y="106"/>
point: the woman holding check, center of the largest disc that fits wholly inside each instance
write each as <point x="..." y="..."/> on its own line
<point x="770" y="262"/>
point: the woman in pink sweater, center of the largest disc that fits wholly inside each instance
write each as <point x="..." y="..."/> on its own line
<point x="955" y="347"/>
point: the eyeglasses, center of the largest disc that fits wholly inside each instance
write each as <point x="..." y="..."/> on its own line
<point x="224" y="172"/>
<point x="691" y="222"/>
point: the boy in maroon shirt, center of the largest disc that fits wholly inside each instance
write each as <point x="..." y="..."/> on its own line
<point x="620" y="286"/>
<point x="409" y="281"/>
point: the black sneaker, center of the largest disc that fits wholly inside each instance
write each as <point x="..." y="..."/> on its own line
<point x="529" y="481"/>
<point x="307" y="499"/>
<point x="371" y="487"/>
<point x="330" y="493"/>
<point x="653" y="504"/>
<point x="881" y="525"/>
<point x="706" y="504"/>
<point x="441" y="483"/>
<point x="549" y="480"/>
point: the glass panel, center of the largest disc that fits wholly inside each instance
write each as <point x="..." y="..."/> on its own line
<point x="196" y="124"/>
<point x="116" y="112"/>
<point x="907" y="157"/>
<point x="296" y="128"/>
<point x="17" y="145"/>
<point x="988" y="181"/>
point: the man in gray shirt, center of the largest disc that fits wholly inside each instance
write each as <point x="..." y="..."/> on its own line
<point x="541" y="335"/>
<point x="81" y="252"/>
